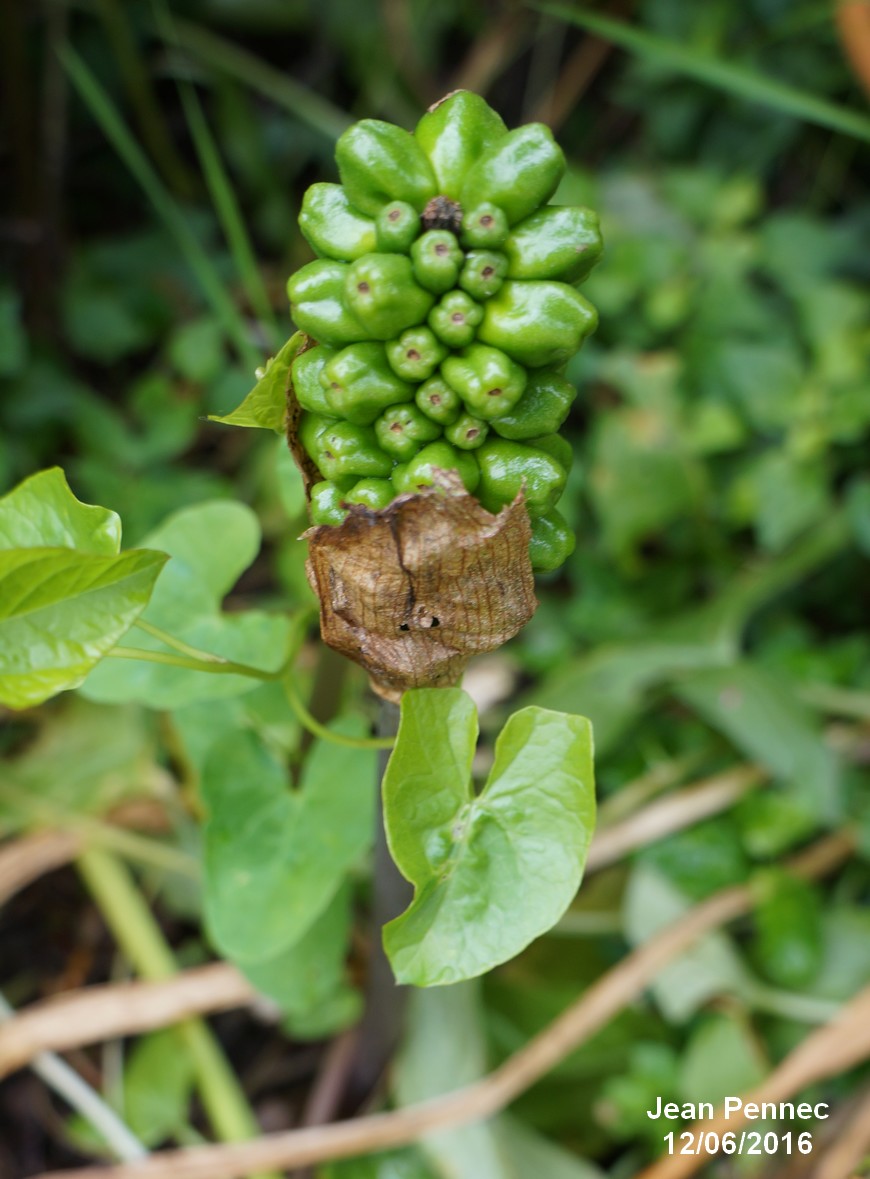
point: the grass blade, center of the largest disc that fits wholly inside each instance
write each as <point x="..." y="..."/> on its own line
<point x="739" y="80"/>
<point x="116" y="131"/>
<point x="221" y="190"/>
<point x="222" y="55"/>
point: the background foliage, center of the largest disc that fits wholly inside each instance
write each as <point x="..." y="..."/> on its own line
<point x="714" y="613"/>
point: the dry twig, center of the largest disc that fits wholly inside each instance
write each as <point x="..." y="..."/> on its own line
<point x="673" y="813"/>
<point x="32" y="856"/>
<point x="120" y="1009"/>
<point x="600" y="1003"/>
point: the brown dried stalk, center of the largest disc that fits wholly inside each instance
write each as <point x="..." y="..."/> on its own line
<point x="120" y="1009"/>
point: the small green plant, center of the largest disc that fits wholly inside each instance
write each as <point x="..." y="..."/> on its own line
<point x="448" y="228"/>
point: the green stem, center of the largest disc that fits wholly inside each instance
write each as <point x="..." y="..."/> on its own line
<point x="803" y="1008"/>
<point x="214" y="666"/>
<point x="314" y="726"/>
<point x="133" y="925"/>
<point x="129" y="844"/>
<point x="196" y="660"/>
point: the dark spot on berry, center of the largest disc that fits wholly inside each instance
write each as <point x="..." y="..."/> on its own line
<point x="486" y="220"/>
<point x="412" y="354"/>
<point x="493" y="392"/>
<point x="435" y="399"/>
<point x="394" y="214"/>
<point x="397" y="427"/>
<point x="441" y="249"/>
<point x="458" y="317"/>
<point x="487" y="272"/>
<point x="363" y="288"/>
<point x="472" y="433"/>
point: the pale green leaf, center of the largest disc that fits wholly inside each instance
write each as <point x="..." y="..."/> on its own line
<point x="274" y="857"/>
<point x="210" y="546"/>
<point x="491" y="871"/>
<point x="721" y="1058"/>
<point x="711" y="967"/>
<point x="266" y="404"/>
<point x="157" y="1086"/>
<point x="307" y="981"/>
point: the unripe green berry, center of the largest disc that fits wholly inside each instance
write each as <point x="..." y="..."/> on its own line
<point x="403" y="429"/>
<point x="438" y="401"/>
<point x="467" y="432"/>
<point x="483" y="273"/>
<point x="371" y="493"/>
<point x="455" y="318"/>
<point x="396" y="227"/>
<point x="416" y="354"/>
<point x="437" y="259"/>
<point x="484" y="227"/>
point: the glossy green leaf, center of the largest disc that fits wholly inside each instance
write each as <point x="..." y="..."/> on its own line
<point x="42" y="512"/>
<point x="61" y="611"/>
<point x="491" y="871"/>
<point x="210" y="546"/>
<point x="266" y="404"/>
<point x="275" y="857"/>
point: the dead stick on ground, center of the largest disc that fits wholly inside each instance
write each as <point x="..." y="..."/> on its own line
<point x="673" y="813"/>
<point x="122" y="1009"/>
<point x="600" y="1003"/>
<point x="32" y="856"/>
<point x="831" y="1049"/>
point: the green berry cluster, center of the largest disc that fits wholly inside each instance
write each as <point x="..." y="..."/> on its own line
<point x="444" y="307"/>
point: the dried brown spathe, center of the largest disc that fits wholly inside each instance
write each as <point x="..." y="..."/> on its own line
<point x="410" y="592"/>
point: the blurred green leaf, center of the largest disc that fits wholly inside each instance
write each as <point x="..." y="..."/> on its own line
<point x="13" y="339"/>
<point x="275" y="858"/>
<point x="431" y="1063"/>
<point x="158" y="1081"/>
<point x="196" y="350"/>
<point x="711" y="967"/>
<point x="209" y="546"/>
<point x="66" y="594"/>
<point x="721" y="1058"/>
<point x="307" y="981"/>
<point x="761" y="713"/>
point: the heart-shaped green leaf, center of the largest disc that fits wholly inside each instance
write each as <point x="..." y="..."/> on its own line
<point x="275" y="857"/>
<point x="494" y="870"/>
<point x="210" y="546"/>
<point x="66" y="593"/>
